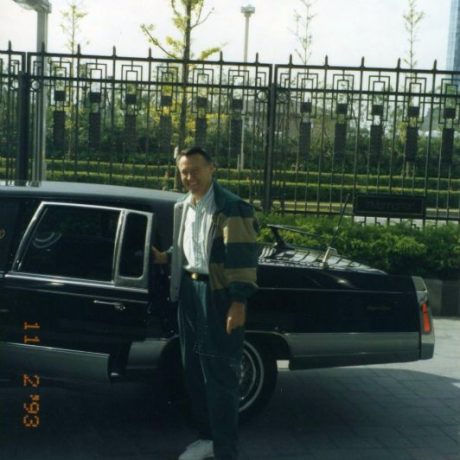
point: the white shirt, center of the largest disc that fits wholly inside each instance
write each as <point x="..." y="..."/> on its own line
<point x="198" y="220"/>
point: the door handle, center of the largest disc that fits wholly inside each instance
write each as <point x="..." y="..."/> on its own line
<point x="4" y="310"/>
<point x="116" y="305"/>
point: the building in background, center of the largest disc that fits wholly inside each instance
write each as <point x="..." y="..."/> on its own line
<point x="453" y="46"/>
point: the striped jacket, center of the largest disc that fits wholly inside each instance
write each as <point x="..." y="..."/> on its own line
<point x="233" y="254"/>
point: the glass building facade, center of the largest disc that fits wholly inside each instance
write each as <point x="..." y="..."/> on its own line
<point x="453" y="45"/>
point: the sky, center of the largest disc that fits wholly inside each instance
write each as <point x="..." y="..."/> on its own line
<point x="344" y="30"/>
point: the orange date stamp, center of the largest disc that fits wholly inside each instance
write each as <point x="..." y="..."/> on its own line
<point x="31" y="415"/>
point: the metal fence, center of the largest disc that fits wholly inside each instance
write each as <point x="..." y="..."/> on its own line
<point x="288" y="138"/>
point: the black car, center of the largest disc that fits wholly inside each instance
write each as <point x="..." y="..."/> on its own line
<point x="80" y="298"/>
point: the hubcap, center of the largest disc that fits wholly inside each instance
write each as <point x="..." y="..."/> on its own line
<point x="251" y="377"/>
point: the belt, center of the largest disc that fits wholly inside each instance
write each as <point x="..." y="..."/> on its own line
<point x="197" y="276"/>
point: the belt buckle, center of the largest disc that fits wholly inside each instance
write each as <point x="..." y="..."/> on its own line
<point x="194" y="276"/>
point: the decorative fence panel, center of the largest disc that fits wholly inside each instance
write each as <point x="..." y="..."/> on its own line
<point x="346" y="130"/>
<point x="12" y="66"/>
<point x="119" y="119"/>
<point x="289" y="138"/>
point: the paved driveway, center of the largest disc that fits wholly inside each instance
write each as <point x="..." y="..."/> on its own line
<point x="403" y="411"/>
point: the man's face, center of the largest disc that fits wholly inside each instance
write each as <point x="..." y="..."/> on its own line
<point x="196" y="174"/>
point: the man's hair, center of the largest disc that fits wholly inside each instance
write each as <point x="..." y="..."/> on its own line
<point x="195" y="150"/>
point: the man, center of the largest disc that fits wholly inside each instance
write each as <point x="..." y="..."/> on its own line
<point x="213" y="273"/>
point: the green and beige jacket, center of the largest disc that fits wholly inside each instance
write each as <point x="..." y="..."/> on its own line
<point x="233" y="253"/>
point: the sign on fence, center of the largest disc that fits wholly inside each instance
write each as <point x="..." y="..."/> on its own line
<point x="384" y="205"/>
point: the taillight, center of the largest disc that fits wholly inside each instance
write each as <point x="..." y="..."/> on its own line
<point x="426" y="318"/>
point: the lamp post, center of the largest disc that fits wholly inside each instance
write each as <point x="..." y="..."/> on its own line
<point x="248" y="11"/>
<point x="42" y="8"/>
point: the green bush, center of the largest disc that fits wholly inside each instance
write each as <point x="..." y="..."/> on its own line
<point x="281" y="178"/>
<point x="432" y="251"/>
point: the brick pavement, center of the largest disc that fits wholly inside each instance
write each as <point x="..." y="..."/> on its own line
<point x="398" y="411"/>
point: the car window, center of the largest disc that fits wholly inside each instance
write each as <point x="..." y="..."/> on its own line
<point x="15" y="214"/>
<point x="9" y="210"/>
<point x="73" y="241"/>
<point x="133" y="246"/>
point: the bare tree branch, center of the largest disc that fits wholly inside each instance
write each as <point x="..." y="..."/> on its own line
<point x="302" y="33"/>
<point x="204" y="19"/>
<point x="412" y="20"/>
<point x="174" y="8"/>
<point x="198" y="13"/>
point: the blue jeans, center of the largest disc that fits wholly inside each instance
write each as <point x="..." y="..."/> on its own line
<point x="211" y="360"/>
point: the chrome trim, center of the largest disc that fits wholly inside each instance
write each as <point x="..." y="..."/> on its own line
<point x="72" y="281"/>
<point x="345" y="343"/>
<point x="251" y="361"/>
<point x="420" y="288"/>
<point x="120" y="281"/>
<point x="117" y="245"/>
<point x="275" y="333"/>
<point x="49" y="348"/>
<point x="59" y="363"/>
<point x="147" y="242"/>
<point x="119" y="306"/>
<point x="342" y="291"/>
<point x="427" y="345"/>
<point x="26" y="237"/>
<point x="141" y="281"/>
<point x="81" y="205"/>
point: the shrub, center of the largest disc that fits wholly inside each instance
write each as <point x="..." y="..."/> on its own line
<point x="432" y="251"/>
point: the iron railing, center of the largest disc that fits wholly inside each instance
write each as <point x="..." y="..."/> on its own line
<point x="12" y="66"/>
<point x="371" y="130"/>
<point x="289" y="138"/>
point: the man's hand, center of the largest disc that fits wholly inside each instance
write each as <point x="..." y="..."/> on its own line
<point x="236" y="316"/>
<point x="159" y="258"/>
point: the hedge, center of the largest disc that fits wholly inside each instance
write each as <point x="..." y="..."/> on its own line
<point x="288" y="192"/>
<point x="300" y="177"/>
<point x="284" y="181"/>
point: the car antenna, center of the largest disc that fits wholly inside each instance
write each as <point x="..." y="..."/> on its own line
<point x="327" y="254"/>
<point x="280" y="243"/>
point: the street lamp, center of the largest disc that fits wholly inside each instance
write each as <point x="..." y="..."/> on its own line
<point x="42" y="8"/>
<point x="247" y="10"/>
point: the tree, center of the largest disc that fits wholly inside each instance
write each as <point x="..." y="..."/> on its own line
<point x="187" y="16"/>
<point x="71" y="25"/>
<point x="412" y="20"/>
<point x="303" y="23"/>
<point x="72" y="18"/>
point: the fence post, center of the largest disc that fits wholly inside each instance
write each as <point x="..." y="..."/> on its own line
<point x="22" y="158"/>
<point x="268" y="168"/>
<point x="182" y="119"/>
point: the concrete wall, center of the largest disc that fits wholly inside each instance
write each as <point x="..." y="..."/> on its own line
<point x="444" y="297"/>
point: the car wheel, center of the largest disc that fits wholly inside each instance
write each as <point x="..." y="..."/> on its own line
<point x="257" y="379"/>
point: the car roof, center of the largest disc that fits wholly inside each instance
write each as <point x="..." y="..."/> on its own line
<point x="90" y="192"/>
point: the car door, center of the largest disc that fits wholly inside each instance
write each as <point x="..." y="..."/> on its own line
<point x="78" y="290"/>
